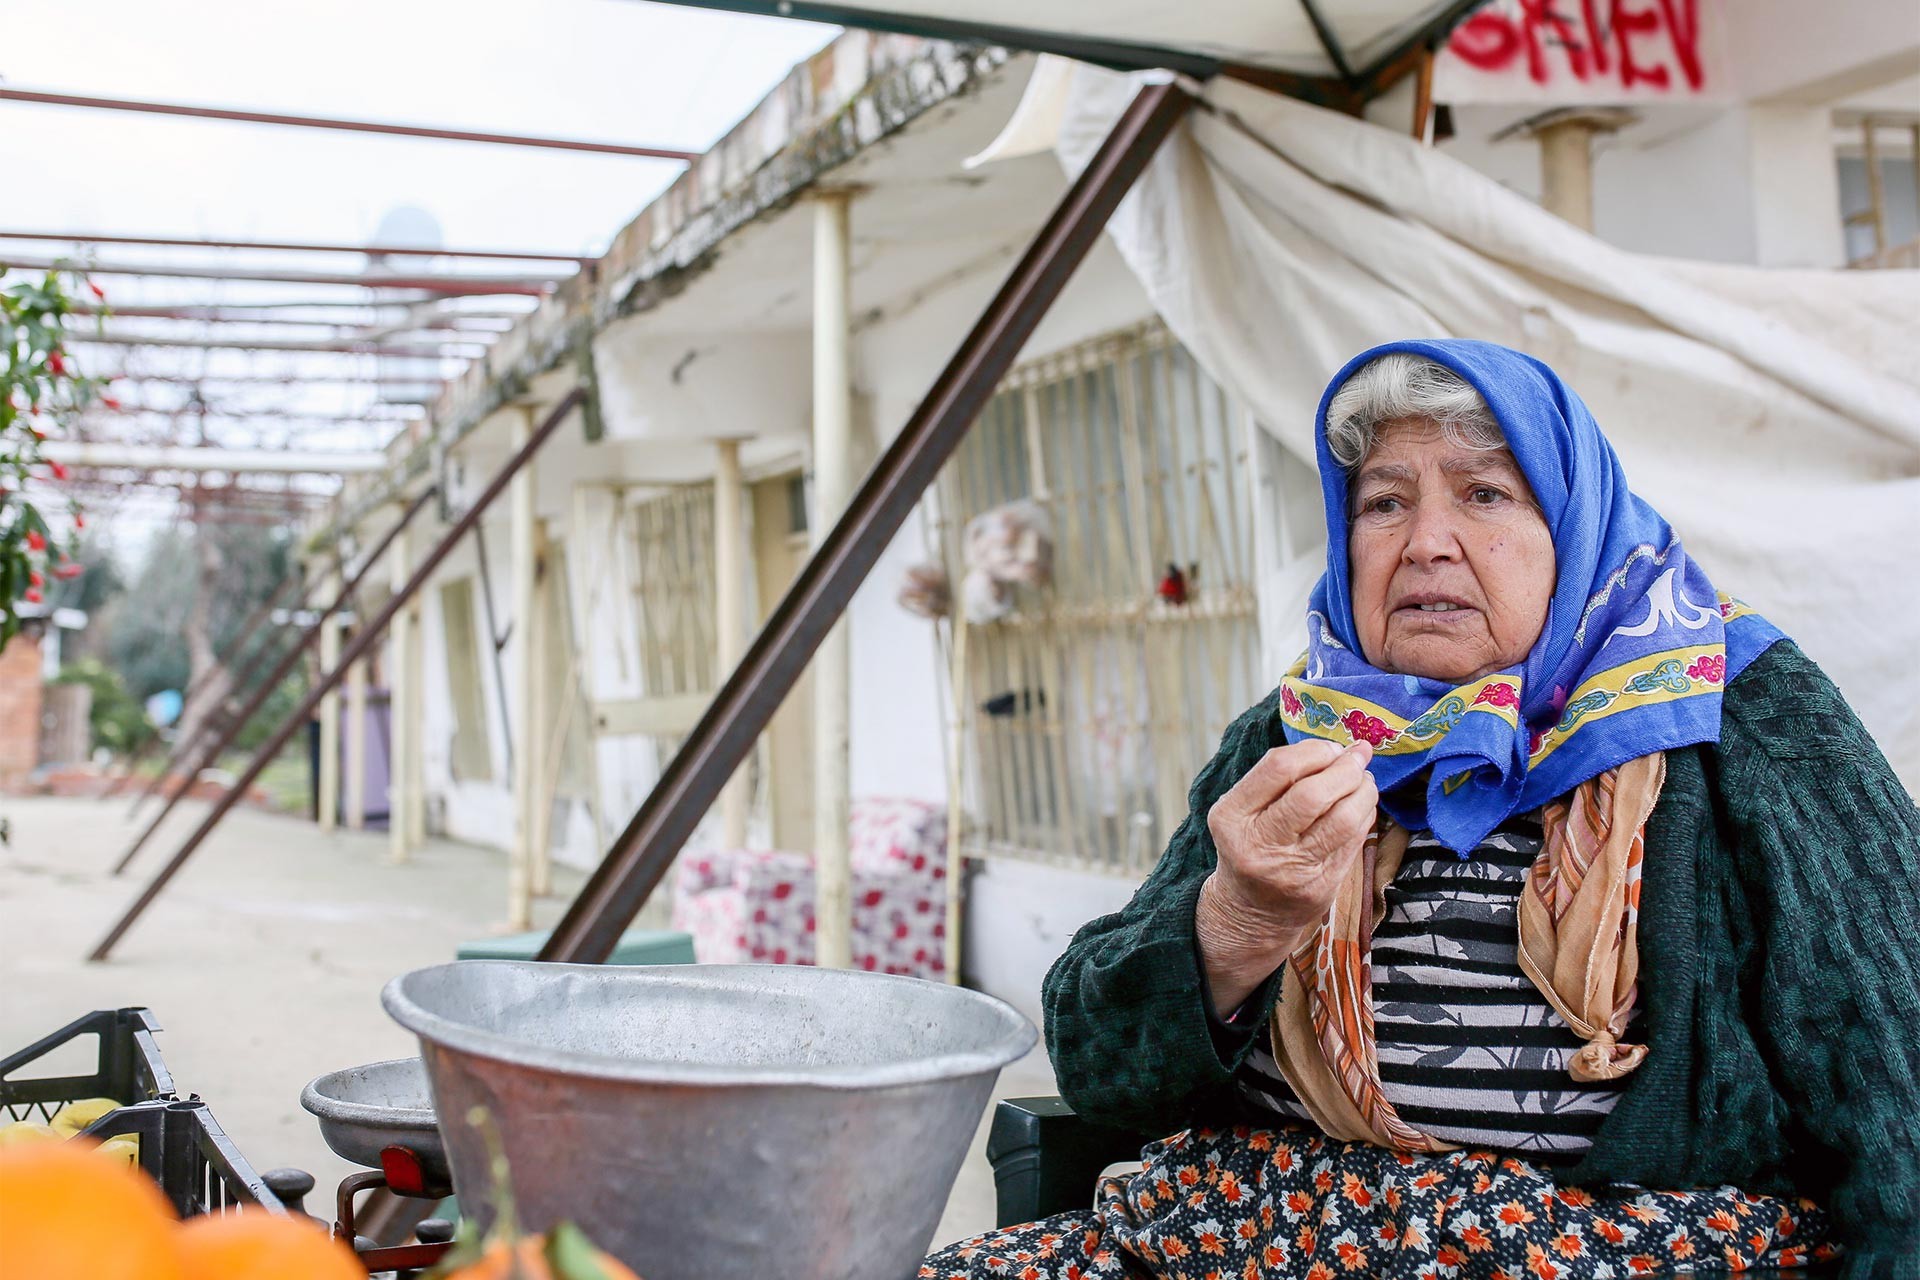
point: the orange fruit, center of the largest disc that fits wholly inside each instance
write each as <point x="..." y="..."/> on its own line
<point x="66" y="1212"/>
<point x="256" y="1245"/>
<point x="531" y="1255"/>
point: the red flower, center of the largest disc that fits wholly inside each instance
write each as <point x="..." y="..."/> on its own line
<point x="56" y="364"/>
<point x="1289" y="701"/>
<point x="33" y="597"/>
<point x="34" y="578"/>
<point x="98" y="292"/>
<point x="110" y="403"/>
<point x="1363" y="726"/>
<point x="79" y="521"/>
<point x="36" y="541"/>
<point x="66" y="572"/>
<point x="1498" y="694"/>
<point x="59" y="472"/>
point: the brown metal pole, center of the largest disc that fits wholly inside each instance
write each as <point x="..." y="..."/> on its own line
<point x="364" y="639"/>
<point x="286" y="246"/>
<point x="287" y="382"/>
<point x="348" y="126"/>
<point x="247" y="628"/>
<point x="740" y="711"/>
<point x="432" y="350"/>
<point x="449" y="285"/>
<point x="280" y="670"/>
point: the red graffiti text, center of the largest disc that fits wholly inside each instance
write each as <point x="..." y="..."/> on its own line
<point x="1606" y="40"/>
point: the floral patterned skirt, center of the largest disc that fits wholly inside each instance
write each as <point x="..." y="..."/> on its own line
<point x="1266" y="1204"/>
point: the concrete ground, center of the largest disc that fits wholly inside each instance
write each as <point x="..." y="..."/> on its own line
<point x="265" y="957"/>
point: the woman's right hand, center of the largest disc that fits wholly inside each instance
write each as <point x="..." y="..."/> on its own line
<point x="1287" y="835"/>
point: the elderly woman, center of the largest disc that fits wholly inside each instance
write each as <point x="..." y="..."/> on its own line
<point x="1554" y="918"/>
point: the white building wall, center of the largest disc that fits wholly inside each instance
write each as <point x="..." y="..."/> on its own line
<point x="1746" y="183"/>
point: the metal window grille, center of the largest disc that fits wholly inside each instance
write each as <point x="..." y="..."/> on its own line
<point x="1091" y="705"/>
<point x="673" y="585"/>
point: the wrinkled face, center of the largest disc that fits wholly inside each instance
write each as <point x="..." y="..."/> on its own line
<point x="1452" y="564"/>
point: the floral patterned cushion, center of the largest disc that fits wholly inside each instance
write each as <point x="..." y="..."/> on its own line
<point x="884" y="833"/>
<point x="756" y="906"/>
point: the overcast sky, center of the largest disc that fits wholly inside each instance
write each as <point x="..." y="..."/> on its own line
<point x="608" y="70"/>
<point x="605" y="70"/>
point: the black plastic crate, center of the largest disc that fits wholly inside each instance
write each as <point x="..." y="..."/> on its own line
<point x="129" y="1068"/>
<point x="182" y="1147"/>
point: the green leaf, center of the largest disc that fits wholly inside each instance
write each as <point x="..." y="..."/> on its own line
<point x="571" y="1256"/>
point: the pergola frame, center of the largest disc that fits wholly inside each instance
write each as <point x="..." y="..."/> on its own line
<point x="693" y="780"/>
<point x="365" y="637"/>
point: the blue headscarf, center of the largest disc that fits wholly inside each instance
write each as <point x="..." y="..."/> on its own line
<point x="1636" y="649"/>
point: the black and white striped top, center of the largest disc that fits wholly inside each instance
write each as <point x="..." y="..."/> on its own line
<point x="1469" y="1049"/>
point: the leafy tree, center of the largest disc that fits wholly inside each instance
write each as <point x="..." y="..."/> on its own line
<point x="146" y="626"/>
<point x="40" y="392"/>
<point x="117" y="720"/>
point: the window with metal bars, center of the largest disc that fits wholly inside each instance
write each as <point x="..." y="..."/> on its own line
<point x="673" y="585"/>
<point x="1091" y="703"/>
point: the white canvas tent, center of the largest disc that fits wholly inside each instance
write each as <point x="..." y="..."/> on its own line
<point x="1343" y="39"/>
<point x="1771" y="415"/>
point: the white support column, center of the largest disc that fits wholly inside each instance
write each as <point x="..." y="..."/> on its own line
<point x="401" y="727"/>
<point x="1566" y="139"/>
<point x="415" y="656"/>
<point x="730" y="594"/>
<point x="327" y="784"/>
<point x="526" y="752"/>
<point x="550" y="595"/>
<point x="832" y="486"/>
<point x="1566" y="172"/>
<point x="355" y="766"/>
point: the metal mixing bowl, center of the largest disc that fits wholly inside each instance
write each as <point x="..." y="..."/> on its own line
<point x="725" y="1122"/>
<point x="363" y="1110"/>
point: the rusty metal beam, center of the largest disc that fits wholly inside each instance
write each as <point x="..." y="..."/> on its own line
<point x="364" y="638"/>
<point x="259" y="413"/>
<point x="447" y="285"/>
<point x="288" y="381"/>
<point x="739" y="712"/>
<point x="286" y="246"/>
<point x="280" y="672"/>
<point x="43" y="98"/>
<point x="342" y="346"/>
<point x="268" y="312"/>
<point x="444" y="322"/>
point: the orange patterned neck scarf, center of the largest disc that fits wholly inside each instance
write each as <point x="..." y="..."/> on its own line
<point x="1578" y="919"/>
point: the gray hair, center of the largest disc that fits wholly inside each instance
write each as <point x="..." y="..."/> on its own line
<point x="1400" y="387"/>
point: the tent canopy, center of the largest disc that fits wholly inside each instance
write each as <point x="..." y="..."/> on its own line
<point x="1350" y="41"/>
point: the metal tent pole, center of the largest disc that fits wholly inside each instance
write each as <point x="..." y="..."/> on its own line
<point x="272" y="682"/>
<point x="197" y="112"/>
<point x="642" y="853"/>
<point x="293" y="246"/>
<point x="363" y="640"/>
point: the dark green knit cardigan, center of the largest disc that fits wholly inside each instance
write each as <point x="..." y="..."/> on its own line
<point x="1779" y="970"/>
